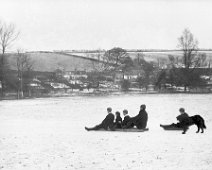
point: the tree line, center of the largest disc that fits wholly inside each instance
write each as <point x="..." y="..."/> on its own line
<point x="183" y="71"/>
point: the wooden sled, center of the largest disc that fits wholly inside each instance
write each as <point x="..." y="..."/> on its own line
<point x="125" y="130"/>
<point x="170" y="127"/>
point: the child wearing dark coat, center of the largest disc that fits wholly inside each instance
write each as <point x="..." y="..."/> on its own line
<point x="107" y="123"/>
<point x="183" y="119"/>
<point x="118" y="120"/>
<point x="126" y="119"/>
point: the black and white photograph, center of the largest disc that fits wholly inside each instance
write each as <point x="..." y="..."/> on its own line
<point x="105" y="85"/>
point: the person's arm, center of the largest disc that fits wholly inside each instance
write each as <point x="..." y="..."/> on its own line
<point x="124" y="122"/>
<point x="178" y="118"/>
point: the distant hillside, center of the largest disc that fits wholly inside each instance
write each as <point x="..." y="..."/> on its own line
<point x="50" y="61"/>
<point x="148" y="56"/>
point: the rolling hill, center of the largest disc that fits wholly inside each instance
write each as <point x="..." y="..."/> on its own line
<point x="50" y="61"/>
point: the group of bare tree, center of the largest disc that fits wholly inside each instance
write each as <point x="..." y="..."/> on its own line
<point x="8" y="35"/>
<point x="184" y="70"/>
<point x="188" y="74"/>
<point x="184" y="74"/>
<point x="118" y="60"/>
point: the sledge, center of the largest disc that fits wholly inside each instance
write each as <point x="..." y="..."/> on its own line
<point x="170" y="127"/>
<point x="132" y="130"/>
<point x="125" y="130"/>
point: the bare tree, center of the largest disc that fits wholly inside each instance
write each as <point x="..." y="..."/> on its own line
<point x="139" y="57"/>
<point x="202" y="58"/>
<point x="189" y="45"/>
<point x="116" y="55"/>
<point x="101" y="63"/>
<point x="109" y="60"/>
<point x="8" y="35"/>
<point x="101" y="66"/>
<point x="191" y="60"/>
<point x="23" y="64"/>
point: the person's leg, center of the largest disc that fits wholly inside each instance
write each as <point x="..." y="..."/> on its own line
<point x="115" y="126"/>
<point x="118" y="126"/>
<point x="130" y="124"/>
<point x="179" y="125"/>
<point x="112" y="127"/>
<point x="173" y="125"/>
<point x="185" y="128"/>
<point x="138" y="125"/>
<point x="97" y="127"/>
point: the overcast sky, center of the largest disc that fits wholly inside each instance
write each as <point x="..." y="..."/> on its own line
<point x="93" y="24"/>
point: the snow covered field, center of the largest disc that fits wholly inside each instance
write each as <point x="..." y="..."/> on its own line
<point x="49" y="134"/>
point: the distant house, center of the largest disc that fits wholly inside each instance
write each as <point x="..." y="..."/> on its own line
<point x="59" y="85"/>
<point x="56" y="85"/>
<point x="42" y="76"/>
<point x="75" y="75"/>
<point x="35" y="88"/>
<point x="130" y="75"/>
<point x="35" y="84"/>
<point x="74" y="81"/>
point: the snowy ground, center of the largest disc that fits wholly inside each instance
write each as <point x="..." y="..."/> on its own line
<point x="49" y="134"/>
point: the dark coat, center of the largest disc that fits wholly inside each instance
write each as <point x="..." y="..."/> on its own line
<point x="140" y="121"/>
<point x="126" y="120"/>
<point x="108" y="122"/>
<point x="118" y="122"/>
<point x="183" y="119"/>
